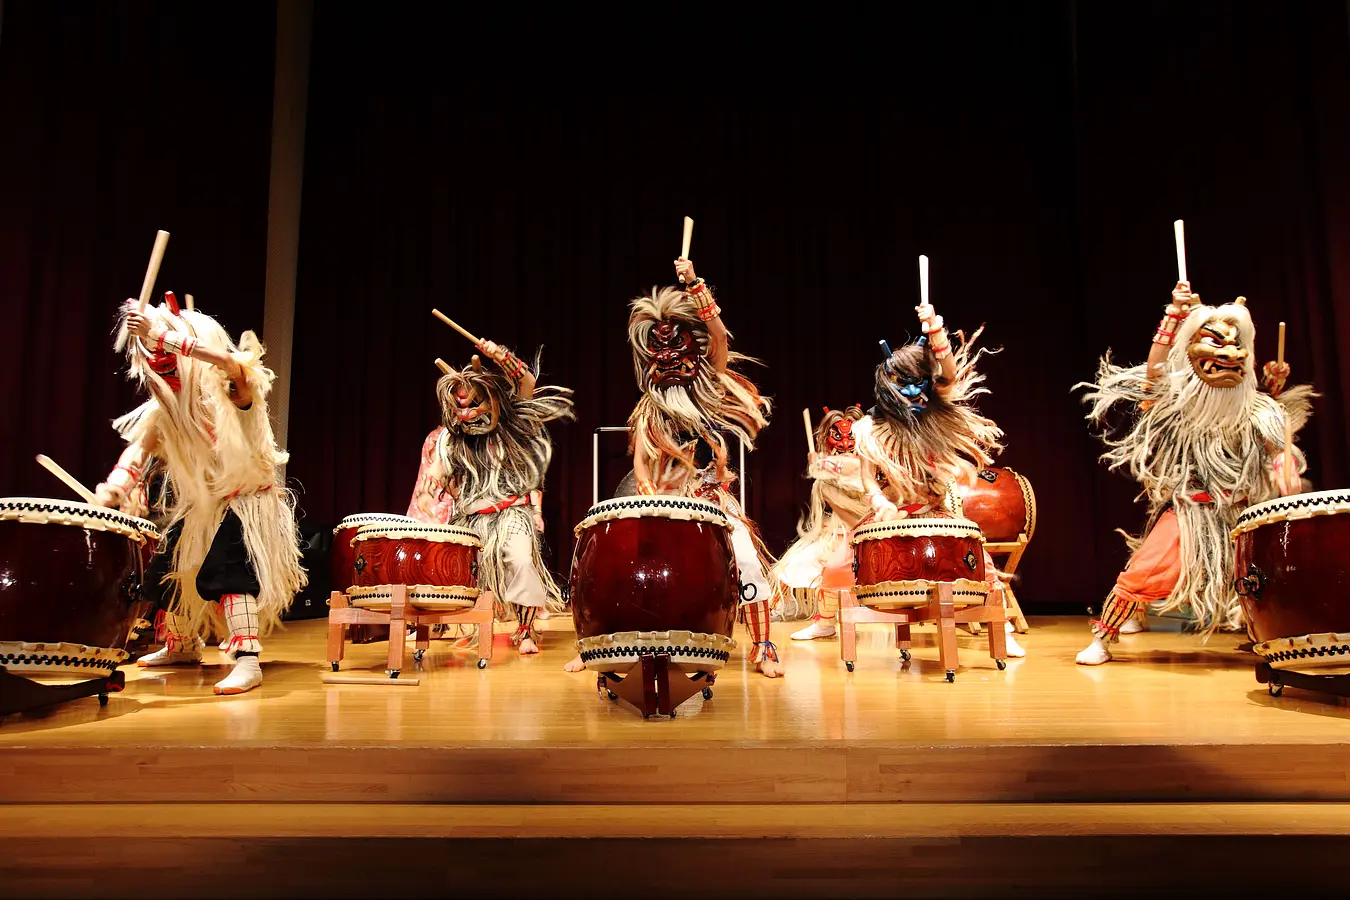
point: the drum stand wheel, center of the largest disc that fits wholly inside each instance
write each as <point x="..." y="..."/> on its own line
<point x="18" y="693"/>
<point x="848" y="664"/>
<point x="951" y="675"/>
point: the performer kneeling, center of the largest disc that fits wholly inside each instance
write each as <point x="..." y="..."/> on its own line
<point x="490" y="460"/>
<point x="822" y="557"/>
<point x="924" y="435"/>
<point x="1205" y="444"/>
<point x="231" y="535"/>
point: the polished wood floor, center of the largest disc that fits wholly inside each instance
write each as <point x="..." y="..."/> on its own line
<point x="1165" y="688"/>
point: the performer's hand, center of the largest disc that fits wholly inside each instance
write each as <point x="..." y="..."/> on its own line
<point x="538" y="522"/>
<point x="493" y="351"/>
<point x="1274" y="375"/>
<point x="684" y="270"/>
<point x="929" y="320"/>
<point x="105" y="496"/>
<point x="1182" y="298"/>
<point x="138" y="323"/>
<point x="812" y="457"/>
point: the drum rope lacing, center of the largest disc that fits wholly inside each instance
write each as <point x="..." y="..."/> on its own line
<point x="133" y="527"/>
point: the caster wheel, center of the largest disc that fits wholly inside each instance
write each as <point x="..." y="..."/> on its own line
<point x="482" y="664"/>
<point x="335" y="666"/>
<point x="394" y="674"/>
<point x="904" y="655"/>
<point x="707" y="693"/>
<point x="1275" y="689"/>
<point x="951" y="676"/>
<point x="102" y="699"/>
<point x="418" y="654"/>
<point x="849" y="666"/>
<point x="614" y="698"/>
<point x="1001" y="664"/>
<point x="672" y="715"/>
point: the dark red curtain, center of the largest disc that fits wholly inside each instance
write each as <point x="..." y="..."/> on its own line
<point x="119" y="119"/>
<point x="528" y="176"/>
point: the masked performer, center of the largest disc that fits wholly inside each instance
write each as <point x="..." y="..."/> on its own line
<point x="690" y="399"/>
<point x="231" y="533"/>
<point x="1205" y="443"/>
<point x="490" y="459"/>
<point x="925" y="435"/>
<point x="822" y="557"/>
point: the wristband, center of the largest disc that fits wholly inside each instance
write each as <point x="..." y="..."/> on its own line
<point x="175" y="342"/>
<point x="646" y="488"/>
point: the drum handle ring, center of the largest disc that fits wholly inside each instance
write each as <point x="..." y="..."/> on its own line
<point x="1251" y="584"/>
<point x="754" y="591"/>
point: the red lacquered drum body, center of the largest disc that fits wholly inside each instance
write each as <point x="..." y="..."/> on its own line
<point x="344" y="554"/>
<point x="1002" y="503"/>
<point x="1292" y="575"/>
<point x="70" y="585"/>
<point x="894" y="562"/>
<point x="654" y="575"/>
<point x="441" y="561"/>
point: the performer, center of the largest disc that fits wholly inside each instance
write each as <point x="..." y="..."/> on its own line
<point x="838" y="504"/>
<point x="1204" y="444"/>
<point x="231" y="532"/>
<point x="490" y="458"/>
<point x="690" y="398"/>
<point x="924" y="435"/>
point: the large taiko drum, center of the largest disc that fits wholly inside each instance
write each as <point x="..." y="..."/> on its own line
<point x="1002" y="503"/>
<point x="438" y="563"/>
<point x="895" y="563"/>
<point x="654" y="575"/>
<point x="1292" y="575"/>
<point x="70" y="585"/>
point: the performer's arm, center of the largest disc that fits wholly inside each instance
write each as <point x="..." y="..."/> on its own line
<point x="939" y="343"/>
<point x="537" y="504"/>
<point x="1288" y="483"/>
<point x="183" y="344"/>
<point x="129" y="473"/>
<point x="708" y="311"/>
<point x="1165" y="336"/>
<point x="642" y="471"/>
<point x="513" y="366"/>
<point x="883" y="507"/>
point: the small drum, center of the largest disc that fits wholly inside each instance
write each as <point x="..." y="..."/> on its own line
<point x="1292" y="575"/>
<point x="896" y="562"/>
<point x="70" y="585"/>
<point x="439" y="564"/>
<point x="654" y="575"/>
<point x="1002" y="503"/>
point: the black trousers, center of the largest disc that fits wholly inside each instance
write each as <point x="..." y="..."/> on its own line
<point x="226" y="569"/>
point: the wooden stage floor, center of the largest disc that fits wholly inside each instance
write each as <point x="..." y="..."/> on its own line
<point x="1055" y="773"/>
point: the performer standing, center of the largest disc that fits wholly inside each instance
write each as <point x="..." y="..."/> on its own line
<point x="838" y="504"/>
<point x="691" y="397"/>
<point x="231" y="530"/>
<point x="490" y="459"/>
<point x="1205" y="443"/>
<point x="924" y="435"/>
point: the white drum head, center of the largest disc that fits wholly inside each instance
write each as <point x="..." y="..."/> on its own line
<point x="683" y="508"/>
<point x="38" y="511"/>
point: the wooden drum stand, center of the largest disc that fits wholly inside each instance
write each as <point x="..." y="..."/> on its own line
<point x="401" y="616"/>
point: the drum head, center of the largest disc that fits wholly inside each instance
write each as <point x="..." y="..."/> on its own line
<point x="360" y="519"/>
<point x="426" y="597"/>
<point x="685" y="508"/>
<point x="37" y="511"/>
<point x="1298" y="506"/>
<point x="957" y="528"/>
<point x="421" y="531"/>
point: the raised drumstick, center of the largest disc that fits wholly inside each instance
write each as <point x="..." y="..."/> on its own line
<point x="1279" y="350"/>
<point x="1179" y="227"/>
<point x="190" y="304"/>
<point x="455" y="325"/>
<point x="923" y="280"/>
<point x="443" y="366"/>
<point x="810" y="433"/>
<point x="50" y="465"/>
<point x="152" y="270"/>
<point x="688" y="237"/>
<point x="1288" y="423"/>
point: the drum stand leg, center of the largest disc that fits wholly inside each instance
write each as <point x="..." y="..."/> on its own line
<point x="647" y="685"/>
<point x="18" y="693"/>
<point x="1276" y="679"/>
<point x="337" y="631"/>
<point x="1014" y="551"/>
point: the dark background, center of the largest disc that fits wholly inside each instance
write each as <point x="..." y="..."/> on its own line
<point x="527" y="173"/>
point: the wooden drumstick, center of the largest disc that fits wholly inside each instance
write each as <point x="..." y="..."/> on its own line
<point x="1288" y="423"/>
<point x="50" y="465"/>
<point x="152" y="270"/>
<point x="923" y="280"/>
<point x="190" y="305"/>
<point x="443" y="366"/>
<point x="1179" y="227"/>
<point x="455" y="325"/>
<point x="688" y="238"/>
<point x="810" y="432"/>
<point x="369" y="679"/>
<point x="1279" y="350"/>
